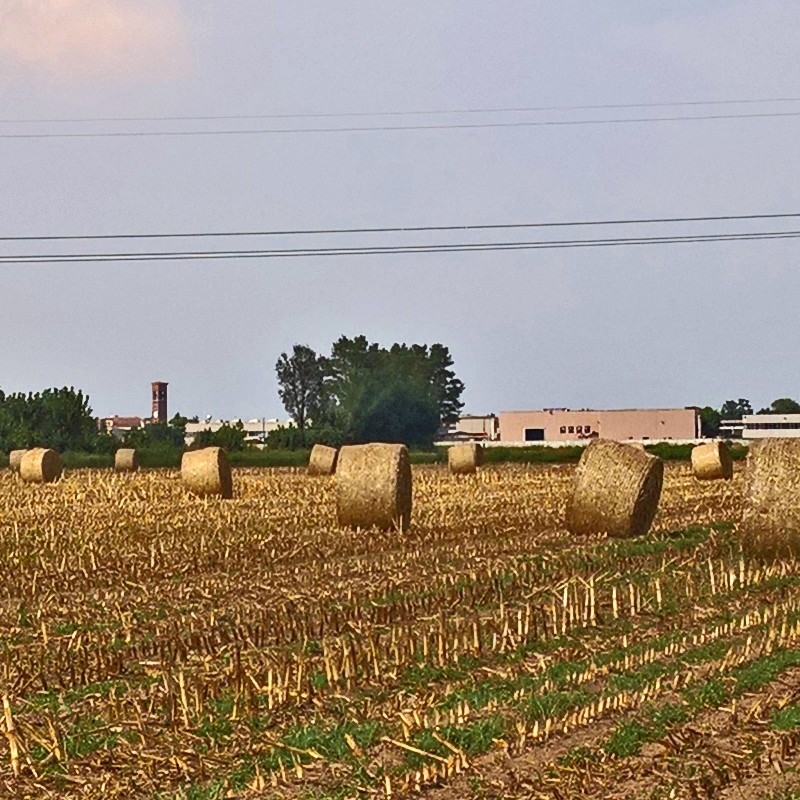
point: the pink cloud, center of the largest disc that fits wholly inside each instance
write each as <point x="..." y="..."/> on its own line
<point x="94" y="39"/>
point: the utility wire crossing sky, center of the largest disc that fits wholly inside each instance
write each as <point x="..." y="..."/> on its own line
<point x="386" y="119"/>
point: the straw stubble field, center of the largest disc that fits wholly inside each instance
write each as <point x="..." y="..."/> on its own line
<point x="159" y="645"/>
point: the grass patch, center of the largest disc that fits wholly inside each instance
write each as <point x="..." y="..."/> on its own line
<point x="787" y="719"/>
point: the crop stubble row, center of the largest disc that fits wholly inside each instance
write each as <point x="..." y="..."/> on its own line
<point x="154" y="613"/>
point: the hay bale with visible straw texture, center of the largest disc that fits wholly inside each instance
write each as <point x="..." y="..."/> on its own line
<point x="15" y="459"/>
<point x="126" y="460"/>
<point x="207" y="472"/>
<point x="464" y="459"/>
<point x="373" y="486"/>
<point x="322" y="460"/>
<point x="40" y="465"/>
<point x="770" y="524"/>
<point x="617" y="489"/>
<point x="712" y="461"/>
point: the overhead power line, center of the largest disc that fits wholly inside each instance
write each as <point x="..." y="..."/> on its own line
<point x="55" y="258"/>
<point x="407" y="113"/>
<point x="399" y="128"/>
<point x="401" y="229"/>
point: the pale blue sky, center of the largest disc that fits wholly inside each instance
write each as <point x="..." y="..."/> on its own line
<point x="647" y="326"/>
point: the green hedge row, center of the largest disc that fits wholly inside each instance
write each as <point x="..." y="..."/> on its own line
<point x="169" y="457"/>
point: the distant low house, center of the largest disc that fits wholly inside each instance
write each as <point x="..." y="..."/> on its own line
<point x="119" y="426"/>
<point x="476" y="426"/>
<point x="471" y="428"/>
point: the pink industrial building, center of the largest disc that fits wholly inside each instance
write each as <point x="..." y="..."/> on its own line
<point x="565" y="425"/>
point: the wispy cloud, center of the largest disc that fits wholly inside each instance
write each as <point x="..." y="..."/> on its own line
<point x="94" y="39"/>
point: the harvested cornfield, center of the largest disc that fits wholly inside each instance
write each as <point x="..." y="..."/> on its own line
<point x="163" y="646"/>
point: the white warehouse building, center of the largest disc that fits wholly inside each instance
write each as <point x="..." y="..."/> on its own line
<point x="255" y="430"/>
<point x="763" y="426"/>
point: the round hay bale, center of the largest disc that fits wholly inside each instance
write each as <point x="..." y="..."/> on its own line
<point x="40" y="466"/>
<point x="322" y="460"/>
<point x="15" y="459"/>
<point x="770" y="524"/>
<point x="617" y="489"/>
<point x="207" y="472"/>
<point x="464" y="459"/>
<point x="126" y="460"/>
<point x="712" y="461"/>
<point x="373" y="486"/>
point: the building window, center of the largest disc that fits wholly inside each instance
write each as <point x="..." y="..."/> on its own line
<point x="571" y="429"/>
<point x="534" y="434"/>
<point x="579" y="429"/>
<point x="563" y="429"/>
<point x="587" y="428"/>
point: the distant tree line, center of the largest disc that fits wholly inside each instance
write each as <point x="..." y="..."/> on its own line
<point x="363" y="392"/>
<point x="60" y="419"/>
<point x="711" y="418"/>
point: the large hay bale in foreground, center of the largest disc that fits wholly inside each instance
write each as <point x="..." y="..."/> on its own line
<point x="15" y="459"/>
<point x="464" y="459"/>
<point x="322" y="460"/>
<point x="712" y="461"/>
<point x="617" y="489"/>
<point x="373" y="486"/>
<point x="770" y="524"/>
<point x="207" y="472"/>
<point x="40" y="465"/>
<point x="126" y="460"/>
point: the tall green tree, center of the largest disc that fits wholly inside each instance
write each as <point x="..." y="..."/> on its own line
<point x="783" y="405"/>
<point x="387" y="404"/>
<point x="710" y="420"/>
<point x="301" y="385"/>
<point x="735" y="409"/>
<point x="431" y="365"/>
<point x="60" y="419"/>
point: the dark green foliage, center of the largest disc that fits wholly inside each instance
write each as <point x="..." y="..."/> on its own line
<point x="683" y="452"/>
<point x="302" y="388"/>
<point x="735" y="409"/>
<point x="532" y="455"/>
<point x="160" y="444"/>
<point x="388" y="406"/>
<point x="356" y="364"/>
<point x="229" y="437"/>
<point x="710" y="419"/>
<point x="60" y="419"/>
<point x="288" y="437"/>
<point x="783" y="405"/>
<point x="365" y="393"/>
<point x="170" y="433"/>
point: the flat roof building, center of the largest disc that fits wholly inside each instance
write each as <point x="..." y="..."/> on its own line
<point x="565" y="425"/>
<point x="762" y="426"/>
<point x="255" y="430"/>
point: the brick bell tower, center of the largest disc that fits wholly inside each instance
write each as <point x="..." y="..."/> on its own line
<point x="159" y="401"/>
